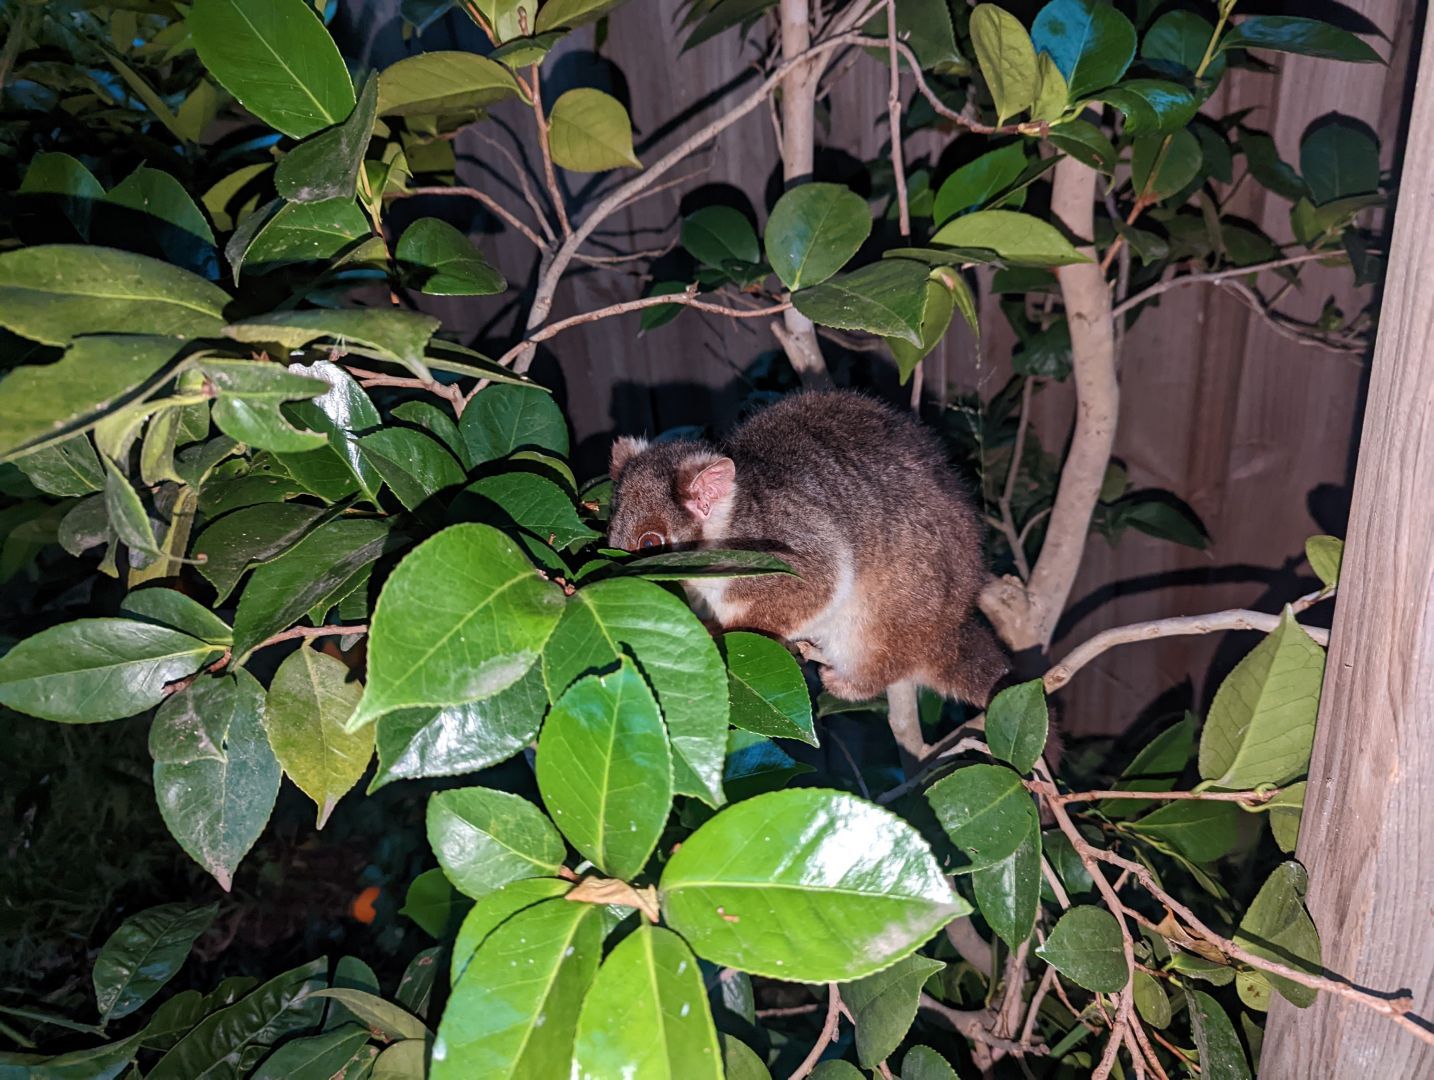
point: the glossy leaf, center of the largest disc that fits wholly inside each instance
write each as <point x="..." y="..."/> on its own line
<point x="312" y="571"/>
<point x="458" y="739"/>
<point x="1092" y="43"/>
<point x="608" y="619"/>
<point x="343" y="413"/>
<point x="443" y="83"/>
<point x="883" y="1006"/>
<point x="1201" y="831"/>
<point x="277" y="59"/>
<point x="215" y="799"/>
<point x="261" y="425"/>
<point x="1016" y="724"/>
<point x="1220" y="1051"/>
<point x="1020" y="239"/>
<point x="433" y="903"/>
<point x="1152" y="105"/>
<point x="415" y="466"/>
<point x="605" y="771"/>
<point x="852" y="887"/>
<point x="813" y="231"/>
<point x="230" y="1042"/>
<point x="492" y="910"/>
<point x="886" y="298"/>
<point x="766" y="689"/>
<point x="485" y="839"/>
<point x="394" y="334"/>
<point x="326" y="165"/>
<point x="589" y="131"/>
<point x="93" y="670"/>
<point x="145" y="952"/>
<point x="1339" y="158"/>
<point x="436" y="422"/>
<point x="1277" y="927"/>
<point x="501" y="1027"/>
<point x="437" y="259"/>
<point x="384" y="1017"/>
<point x="937" y="309"/>
<point x="55" y="292"/>
<point x="526" y="502"/>
<point x="248" y="537"/>
<point x="1085" y="946"/>
<point x="706" y="563"/>
<point x="924" y="1063"/>
<point x="1007" y="59"/>
<point x="647" y="1014"/>
<point x="315" y="1056"/>
<point x="104" y="1062"/>
<point x="973" y="184"/>
<point x="503" y="419"/>
<point x="462" y="617"/>
<point x="985" y="810"/>
<point x="1261" y="723"/>
<point x="170" y="607"/>
<point x="295" y="234"/>
<point x="1008" y="894"/>
<point x="719" y="236"/>
<point x="310" y="698"/>
<point x="1161" y="166"/>
<point x="1180" y="38"/>
<point x="1308" y="37"/>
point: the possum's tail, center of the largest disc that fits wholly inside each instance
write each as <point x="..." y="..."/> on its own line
<point x="974" y="664"/>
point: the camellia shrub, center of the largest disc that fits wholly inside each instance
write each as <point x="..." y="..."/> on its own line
<point x="254" y="494"/>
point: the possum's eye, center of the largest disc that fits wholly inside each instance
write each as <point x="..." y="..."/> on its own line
<point x="649" y="539"/>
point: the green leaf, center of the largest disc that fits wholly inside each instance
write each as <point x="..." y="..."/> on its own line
<point x="93" y="1063"/>
<point x="61" y="181"/>
<point x="1053" y="95"/>
<point x="706" y="563"/>
<point x="277" y="59"/>
<point x="127" y="513"/>
<point x="494" y="909"/>
<point x="433" y="903"/>
<point x="1152" y="105"/>
<point x="608" y="619"/>
<point x="446" y="83"/>
<point x="1087" y="144"/>
<point x="430" y="418"/>
<point x="414" y="743"/>
<point x="228" y="1043"/>
<point x="261" y="425"/>
<point x="437" y="259"/>
<point x="342" y="413"/>
<point x="1200" y="830"/>
<point x="415" y="987"/>
<point x="1151" y="1000"/>
<point x="976" y="182"/>
<point x="1277" y="927"/>
<point x="755" y="764"/>
<point x="502" y="419"/>
<point x="326" y="165"/>
<point x="462" y="617"/>
<point x="1308" y="37"/>
<point x="248" y="537"/>
<point x="168" y="222"/>
<point x="1019" y="239"/>
<point x="924" y="1063"/>
<point x="766" y="689"/>
<point x="925" y="26"/>
<point x="394" y="334"/>
<point x="69" y="467"/>
<point x="854" y="887"/>
<point x="1286" y="809"/>
<point x="604" y="770"/>
<point x="1220" y="1052"/>
<point x="1261" y="723"/>
<point x="216" y="788"/>
<point x="1086" y="947"/>
<point x="1156" y="767"/>
<point x="484" y="839"/>
<point x="935" y="321"/>
<point x="647" y="1013"/>
<point x="415" y="466"/>
<point x="570" y="14"/>
<point x="1325" y="555"/>
<point x="1266" y="166"/>
<point x="1016" y="724"/>
<point x="93" y="670"/>
<point x="384" y="1017"/>
<point x="310" y="698"/>
<point x="146" y="952"/>
<point x="294" y="234"/>
<point x="1008" y="894"/>
<point x="499" y="1026"/>
<point x="741" y="1061"/>
<point x="314" y="570"/>
<point x="1091" y="42"/>
<point x="1007" y="59"/>
<point x="525" y="502"/>
<point x="1161" y="166"/>
<point x="1180" y="38"/>
<point x="883" y="1006"/>
<point x="316" y="1056"/>
<point x="55" y="292"/>
<point x="589" y="131"/>
<point x="170" y="607"/>
<point x="985" y="810"/>
<point x="812" y="232"/>
<point x="718" y="236"/>
<point x="886" y="298"/>
<point x="1339" y="158"/>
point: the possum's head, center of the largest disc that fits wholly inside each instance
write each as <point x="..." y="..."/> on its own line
<point x="668" y="495"/>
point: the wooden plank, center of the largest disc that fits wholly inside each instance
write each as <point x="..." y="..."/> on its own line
<point x="1368" y="832"/>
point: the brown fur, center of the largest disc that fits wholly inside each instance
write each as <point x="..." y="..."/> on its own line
<point x="856" y="497"/>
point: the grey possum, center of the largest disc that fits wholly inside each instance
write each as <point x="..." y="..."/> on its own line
<point x="856" y="497"/>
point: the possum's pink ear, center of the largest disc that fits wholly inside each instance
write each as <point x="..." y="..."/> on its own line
<point x="708" y="487"/>
<point x="623" y="451"/>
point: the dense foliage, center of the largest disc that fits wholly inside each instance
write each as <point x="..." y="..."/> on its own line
<point x="261" y="515"/>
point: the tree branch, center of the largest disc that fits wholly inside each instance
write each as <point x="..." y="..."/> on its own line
<point x="554" y="191"/>
<point x="1213" y="276"/>
<point x="1008" y="523"/>
<point x="828" y="1035"/>
<point x="893" y="112"/>
<point x="483" y="197"/>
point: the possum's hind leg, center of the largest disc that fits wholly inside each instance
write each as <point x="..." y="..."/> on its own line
<point x="969" y="663"/>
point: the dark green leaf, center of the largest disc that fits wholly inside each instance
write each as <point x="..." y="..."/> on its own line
<point x="1152" y="105"/>
<point x="523" y="501"/>
<point x="216" y="798"/>
<point x="756" y="764"/>
<point x="127" y="514"/>
<point x="146" y="952"/>
<point x="886" y="298"/>
<point x="936" y="315"/>
<point x="1277" y="927"/>
<point x="1092" y="43"/>
<point x="1007" y="59"/>
<point x="343" y="413"/>
<point x="1266" y="166"/>
<point x="1151" y="1000"/>
<point x="1086" y="143"/>
<point x="975" y="183"/>
<point x="387" y="1019"/>
<point x="1016" y="723"/>
<point x="94" y="1063"/>
<point x="766" y="689"/>
<point x="812" y="232"/>
<point x="433" y="903"/>
<point x="1179" y="39"/>
<point x="393" y="333"/>
<point x="503" y="419"/>
<point x="326" y="165"/>
<point x="93" y="670"/>
<point x="70" y="467"/>
<point x="1202" y="831"/>
<point x="707" y="563"/>
<point x="1086" y="947"/>
<point x="717" y="236"/>
<point x="1156" y="767"/>
<point x="462" y="617"/>
<point x="1308" y="37"/>
<point x="173" y="227"/>
<point x="445" y="83"/>
<point x="1162" y="165"/>
<point x="484" y="839"/>
<point x="605" y="771"/>
<point x="295" y="233"/>
<point x="437" y="259"/>
<point x="277" y="59"/>
<point x="437" y="423"/>
<point x="589" y="131"/>
<point x="1220" y="1052"/>
<point x="249" y="537"/>
<point x="1008" y="894"/>
<point x="1019" y="239"/>
<point x="924" y="1063"/>
<point x="1339" y="158"/>
<point x="883" y="1006"/>
<point x="414" y="465"/>
<point x="170" y="607"/>
<point x="856" y="890"/>
<point x="986" y="812"/>
<point x="318" y="1056"/>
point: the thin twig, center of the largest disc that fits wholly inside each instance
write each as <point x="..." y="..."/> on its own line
<point x="893" y="111"/>
<point x="851" y="761"/>
<point x="929" y="765"/>
<point x="1248" y="798"/>
<point x="305" y="633"/>
<point x="1138" y="1033"/>
<point x="520" y="171"/>
<point x="968" y="1023"/>
<point x="482" y="197"/>
<point x="1057" y="889"/>
<point x="1213" y="276"/>
<point x="554" y="191"/>
<point x="1346" y="345"/>
<point x="1042" y="989"/>
<point x="1008" y="523"/>
<point x="788" y="1010"/>
<point x="827" y="1037"/>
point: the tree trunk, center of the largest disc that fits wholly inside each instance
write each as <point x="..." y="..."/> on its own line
<point x="1368" y="833"/>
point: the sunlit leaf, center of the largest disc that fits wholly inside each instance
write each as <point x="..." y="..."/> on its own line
<point x="485" y="839"/>
<point x="589" y="131"/>
<point x="1007" y="59"/>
